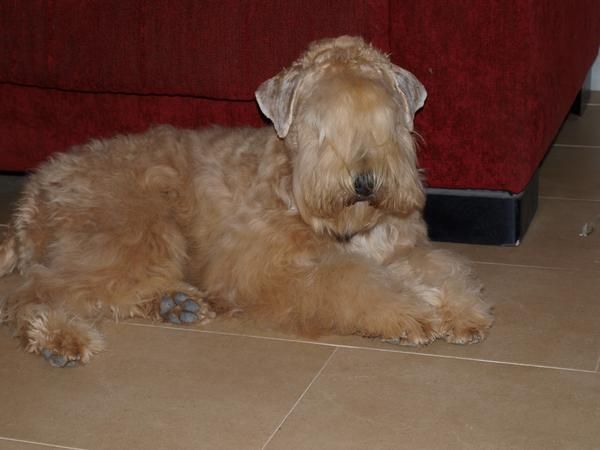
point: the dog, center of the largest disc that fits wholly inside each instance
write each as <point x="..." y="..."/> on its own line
<point x="313" y="225"/>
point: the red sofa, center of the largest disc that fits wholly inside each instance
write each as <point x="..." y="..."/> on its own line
<point x="501" y="77"/>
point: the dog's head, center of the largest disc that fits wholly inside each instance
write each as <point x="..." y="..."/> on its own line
<point x="346" y="114"/>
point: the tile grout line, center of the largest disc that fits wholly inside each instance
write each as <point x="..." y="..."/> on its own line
<point x="531" y="266"/>
<point x="356" y="347"/>
<point x="2" y="438"/>
<point x="590" y="146"/>
<point x="325" y="364"/>
<point x="548" y="197"/>
<point x="598" y="365"/>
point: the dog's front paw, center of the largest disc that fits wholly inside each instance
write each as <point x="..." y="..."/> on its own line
<point x="409" y="341"/>
<point x="180" y="308"/>
<point x="465" y="336"/>
<point x="469" y="328"/>
<point x="400" y="326"/>
<point x="420" y="333"/>
<point x="469" y="333"/>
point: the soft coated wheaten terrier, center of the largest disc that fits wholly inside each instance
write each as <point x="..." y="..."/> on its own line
<point x="314" y="226"/>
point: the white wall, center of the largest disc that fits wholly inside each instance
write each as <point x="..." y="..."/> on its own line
<point x="596" y="75"/>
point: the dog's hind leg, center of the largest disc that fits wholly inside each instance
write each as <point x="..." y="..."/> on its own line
<point x="55" y="314"/>
<point x="53" y="307"/>
<point x="86" y="246"/>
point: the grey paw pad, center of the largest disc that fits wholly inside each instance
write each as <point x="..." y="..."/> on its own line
<point x="179" y="308"/>
<point x="190" y="306"/>
<point x="180" y="297"/>
<point x="174" y="318"/>
<point x="166" y="305"/>
<point x="57" y="360"/>
<point x="188" y="317"/>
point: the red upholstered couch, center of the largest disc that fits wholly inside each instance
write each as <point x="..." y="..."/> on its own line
<point x="501" y="74"/>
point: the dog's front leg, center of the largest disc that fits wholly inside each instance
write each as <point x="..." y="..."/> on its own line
<point x="438" y="277"/>
<point x="342" y="294"/>
<point x="464" y="318"/>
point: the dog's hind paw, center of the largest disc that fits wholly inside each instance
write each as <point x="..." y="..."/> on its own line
<point x="58" y="360"/>
<point x="62" y="339"/>
<point x="180" y="308"/>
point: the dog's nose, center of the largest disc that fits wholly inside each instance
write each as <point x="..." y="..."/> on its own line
<point x="364" y="184"/>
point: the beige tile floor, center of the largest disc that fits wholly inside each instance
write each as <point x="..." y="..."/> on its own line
<point x="534" y="384"/>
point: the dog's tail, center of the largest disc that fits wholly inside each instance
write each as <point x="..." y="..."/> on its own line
<point x="8" y="262"/>
<point x="8" y="251"/>
<point x="14" y="254"/>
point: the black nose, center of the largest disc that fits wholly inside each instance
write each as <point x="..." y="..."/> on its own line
<point x="364" y="183"/>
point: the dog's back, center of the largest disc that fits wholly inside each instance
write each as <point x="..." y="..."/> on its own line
<point x="79" y="191"/>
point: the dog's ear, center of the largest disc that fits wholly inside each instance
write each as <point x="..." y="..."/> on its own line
<point x="413" y="92"/>
<point x="276" y="98"/>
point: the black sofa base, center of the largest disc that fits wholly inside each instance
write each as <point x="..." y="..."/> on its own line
<point x="480" y="217"/>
